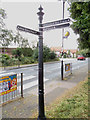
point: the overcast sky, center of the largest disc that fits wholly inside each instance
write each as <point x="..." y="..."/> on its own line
<point x="25" y="13"/>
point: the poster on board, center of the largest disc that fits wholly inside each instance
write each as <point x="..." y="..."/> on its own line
<point x="67" y="67"/>
<point x="8" y="84"/>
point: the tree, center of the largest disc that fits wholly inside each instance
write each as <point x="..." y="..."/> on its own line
<point x="22" y="42"/>
<point x="17" y="53"/>
<point x="52" y="55"/>
<point x="47" y="54"/>
<point x="2" y="16"/>
<point x="80" y="12"/>
<point x="27" y="52"/>
<point x="83" y="52"/>
<point x="35" y="54"/>
<point x="7" y="36"/>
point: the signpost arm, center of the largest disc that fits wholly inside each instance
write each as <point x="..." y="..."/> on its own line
<point x="40" y="75"/>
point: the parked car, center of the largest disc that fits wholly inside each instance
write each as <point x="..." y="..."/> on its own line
<point x="80" y="57"/>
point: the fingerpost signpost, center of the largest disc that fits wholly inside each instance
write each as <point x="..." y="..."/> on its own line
<point x="43" y="27"/>
<point x="41" y="115"/>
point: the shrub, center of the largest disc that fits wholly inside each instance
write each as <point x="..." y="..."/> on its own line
<point x="64" y="55"/>
<point x="27" y="52"/>
<point x="27" y="60"/>
<point x="52" y="55"/>
<point x="35" y="54"/>
<point x="5" y="56"/>
<point x="4" y="59"/>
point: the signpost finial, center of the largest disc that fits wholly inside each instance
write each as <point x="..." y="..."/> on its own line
<point x="40" y="8"/>
<point x="40" y="13"/>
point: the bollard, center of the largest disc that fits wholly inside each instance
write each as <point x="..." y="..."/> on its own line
<point x="71" y="68"/>
<point x="22" y="85"/>
<point x="62" y="70"/>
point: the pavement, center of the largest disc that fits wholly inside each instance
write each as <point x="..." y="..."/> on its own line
<point x="25" y="107"/>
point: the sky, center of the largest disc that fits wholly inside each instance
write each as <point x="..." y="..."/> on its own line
<point x="24" y="13"/>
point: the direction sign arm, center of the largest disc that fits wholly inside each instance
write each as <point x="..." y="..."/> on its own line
<point x="56" y="22"/>
<point x="56" y="27"/>
<point x="24" y="29"/>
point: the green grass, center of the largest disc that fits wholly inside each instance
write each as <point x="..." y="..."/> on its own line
<point x="74" y="104"/>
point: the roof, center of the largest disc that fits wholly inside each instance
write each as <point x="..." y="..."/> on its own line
<point x="58" y="49"/>
<point x="73" y="50"/>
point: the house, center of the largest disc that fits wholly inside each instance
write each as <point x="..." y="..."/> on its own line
<point x="6" y="50"/>
<point x="58" y="51"/>
<point x="73" y="52"/>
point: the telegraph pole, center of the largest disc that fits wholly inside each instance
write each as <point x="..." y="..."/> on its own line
<point x="40" y="75"/>
<point x="62" y="45"/>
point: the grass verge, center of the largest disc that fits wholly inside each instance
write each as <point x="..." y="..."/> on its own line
<point x="73" y="104"/>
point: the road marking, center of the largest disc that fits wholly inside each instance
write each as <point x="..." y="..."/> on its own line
<point x="19" y="74"/>
<point x="5" y="74"/>
<point x="31" y="84"/>
<point x="29" y="77"/>
<point x="2" y="71"/>
<point x="55" y="68"/>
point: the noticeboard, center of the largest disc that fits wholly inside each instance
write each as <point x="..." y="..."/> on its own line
<point x="8" y="84"/>
<point x="67" y="67"/>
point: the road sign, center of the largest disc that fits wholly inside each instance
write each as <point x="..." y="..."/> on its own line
<point x="28" y="30"/>
<point x="66" y="34"/>
<point x="56" y="27"/>
<point x="56" y="22"/>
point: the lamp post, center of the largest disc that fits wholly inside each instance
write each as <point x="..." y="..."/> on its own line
<point x="40" y="74"/>
<point x="62" y="44"/>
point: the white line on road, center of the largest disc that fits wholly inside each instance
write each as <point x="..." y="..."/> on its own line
<point x="31" y="84"/>
<point x="5" y="74"/>
<point x="29" y="77"/>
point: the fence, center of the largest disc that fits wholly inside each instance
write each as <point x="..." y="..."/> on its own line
<point x="68" y="69"/>
<point x="11" y="87"/>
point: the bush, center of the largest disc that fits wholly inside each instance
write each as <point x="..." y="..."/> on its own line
<point x="83" y="52"/>
<point x="13" y="61"/>
<point x="35" y="54"/>
<point x="52" y="55"/>
<point x="5" y="56"/>
<point x="27" y="60"/>
<point x="47" y="54"/>
<point x="64" y="55"/>
<point x="17" y="53"/>
<point x="4" y="59"/>
<point x="27" y="52"/>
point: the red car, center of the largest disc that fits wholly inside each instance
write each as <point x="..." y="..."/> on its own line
<point x="80" y="57"/>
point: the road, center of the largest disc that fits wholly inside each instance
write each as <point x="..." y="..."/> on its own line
<point x="54" y="87"/>
<point x="51" y="72"/>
